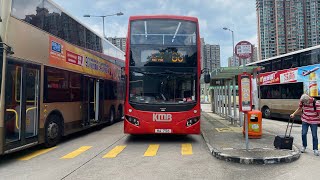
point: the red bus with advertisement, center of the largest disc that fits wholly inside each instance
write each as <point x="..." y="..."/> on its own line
<point x="162" y="75"/>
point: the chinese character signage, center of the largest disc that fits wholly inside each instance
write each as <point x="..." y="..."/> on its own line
<point x="245" y="98"/>
<point x="309" y="75"/>
<point x="277" y="77"/>
<point x="244" y="50"/>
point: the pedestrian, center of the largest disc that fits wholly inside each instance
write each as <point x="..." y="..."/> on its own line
<point x="310" y="117"/>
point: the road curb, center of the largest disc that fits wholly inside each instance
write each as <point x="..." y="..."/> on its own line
<point x="252" y="160"/>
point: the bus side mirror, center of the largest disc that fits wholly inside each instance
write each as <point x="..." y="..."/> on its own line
<point x="207" y="78"/>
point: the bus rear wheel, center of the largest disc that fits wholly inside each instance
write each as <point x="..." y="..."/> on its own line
<point x="266" y="113"/>
<point x="53" y="131"/>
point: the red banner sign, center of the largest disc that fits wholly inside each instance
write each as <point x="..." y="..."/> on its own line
<point x="74" y="58"/>
<point x="278" y="77"/>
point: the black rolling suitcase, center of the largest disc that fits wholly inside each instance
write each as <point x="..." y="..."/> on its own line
<point x="284" y="142"/>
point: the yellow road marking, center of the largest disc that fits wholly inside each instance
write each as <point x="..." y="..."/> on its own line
<point x="36" y="153"/>
<point x="186" y="149"/>
<point x="76" y="152"/>
<point x="152" y="150"/>
<point x="114" y="152"/>
<point x="236" y="129"/>
<point x="224" y="129"/>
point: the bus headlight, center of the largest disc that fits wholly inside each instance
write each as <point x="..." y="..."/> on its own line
<point x="133" y="120"/>
<point x="192" y="121"/>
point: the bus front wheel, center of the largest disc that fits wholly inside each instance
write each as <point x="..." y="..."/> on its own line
<point x="53" y="131"/>
<point x="266" y="112"/>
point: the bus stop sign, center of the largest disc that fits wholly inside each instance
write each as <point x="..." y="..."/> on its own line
<point x="244" y="50"/>
<point x="245" y="96"/>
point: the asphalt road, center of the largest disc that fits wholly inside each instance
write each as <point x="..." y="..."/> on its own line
<point x="110" y="154"/>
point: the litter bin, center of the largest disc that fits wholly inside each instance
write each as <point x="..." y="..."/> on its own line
<point x="255" y="124"/>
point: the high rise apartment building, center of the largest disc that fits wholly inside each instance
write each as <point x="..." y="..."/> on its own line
<point x="287" y="25"/>
<point x="211" y="56"/>
<point x="119" y="42"/>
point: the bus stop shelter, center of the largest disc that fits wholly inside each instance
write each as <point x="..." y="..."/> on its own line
<point x="223" y="91"/>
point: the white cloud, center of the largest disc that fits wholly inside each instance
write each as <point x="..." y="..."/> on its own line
<point x="116" y="30"/>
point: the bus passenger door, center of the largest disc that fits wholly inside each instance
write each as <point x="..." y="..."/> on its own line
<point x="88" y="100"/>
<point x="101" y="100"/>
<point x="21" y="105"/>
<point x="98" y="103"/>
<point x="85" y="101"/>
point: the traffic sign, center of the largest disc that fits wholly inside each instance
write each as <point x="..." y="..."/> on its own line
<point x="244" y="50"/>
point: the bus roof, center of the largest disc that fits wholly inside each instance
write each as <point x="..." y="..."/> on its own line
<point x="187" y="18"/>
<point x="284" y="55"/>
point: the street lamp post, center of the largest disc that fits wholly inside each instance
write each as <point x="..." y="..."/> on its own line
<point x="234" y="80"/>
<point x="227" y="29"/>
<point x="117" y="14"/>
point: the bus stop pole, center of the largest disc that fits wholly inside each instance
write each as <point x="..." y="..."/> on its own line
<point x="234" y="99"/>
<point x="229" y="101"/>
<point x="245" y="115"/>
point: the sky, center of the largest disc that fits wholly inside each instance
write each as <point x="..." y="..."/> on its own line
<point x="238" y="15"/>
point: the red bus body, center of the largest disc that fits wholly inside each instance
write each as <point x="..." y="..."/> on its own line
<point x="162" y="121"/>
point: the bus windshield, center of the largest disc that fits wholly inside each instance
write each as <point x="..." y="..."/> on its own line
<point x="163" y="32"/>
<point x="155" y="86"/>
<point x="163" y="43"/>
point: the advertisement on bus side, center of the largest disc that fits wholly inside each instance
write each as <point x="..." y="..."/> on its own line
<point x="309" y="75"/>
<point x="65" y="55"/>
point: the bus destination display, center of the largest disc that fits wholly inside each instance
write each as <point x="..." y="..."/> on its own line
<point x="164" y="57"/>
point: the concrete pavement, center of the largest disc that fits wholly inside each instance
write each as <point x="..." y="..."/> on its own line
<point x="226" y="142"/>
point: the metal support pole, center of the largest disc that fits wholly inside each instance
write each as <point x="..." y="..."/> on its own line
<point x="233" y="55"/>
<point x="104" y="35"/>
<point x="218" y="99"/>
<point x="244" y="65"/>
<point x="247" y="131"/>
<point x="226" y="99"/>
<point x="234" y="99"/>
<point x="229" y="101"/>
<point x="245" y="115"/>
<point x="213" y="102"/>
<point x="222" y="100"/>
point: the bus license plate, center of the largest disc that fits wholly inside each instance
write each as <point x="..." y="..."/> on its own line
<point x="162" y="131"/>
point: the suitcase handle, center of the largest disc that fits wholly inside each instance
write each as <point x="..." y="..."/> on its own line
<point x="285" y="135"/>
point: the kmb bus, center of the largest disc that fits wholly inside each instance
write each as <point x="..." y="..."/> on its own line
<point x="57" y="76"/>
<point x="285" y="78"/>
<point x="162" y="75"/>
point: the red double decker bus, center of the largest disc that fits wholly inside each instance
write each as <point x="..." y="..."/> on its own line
<point x="162" y="75"/>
